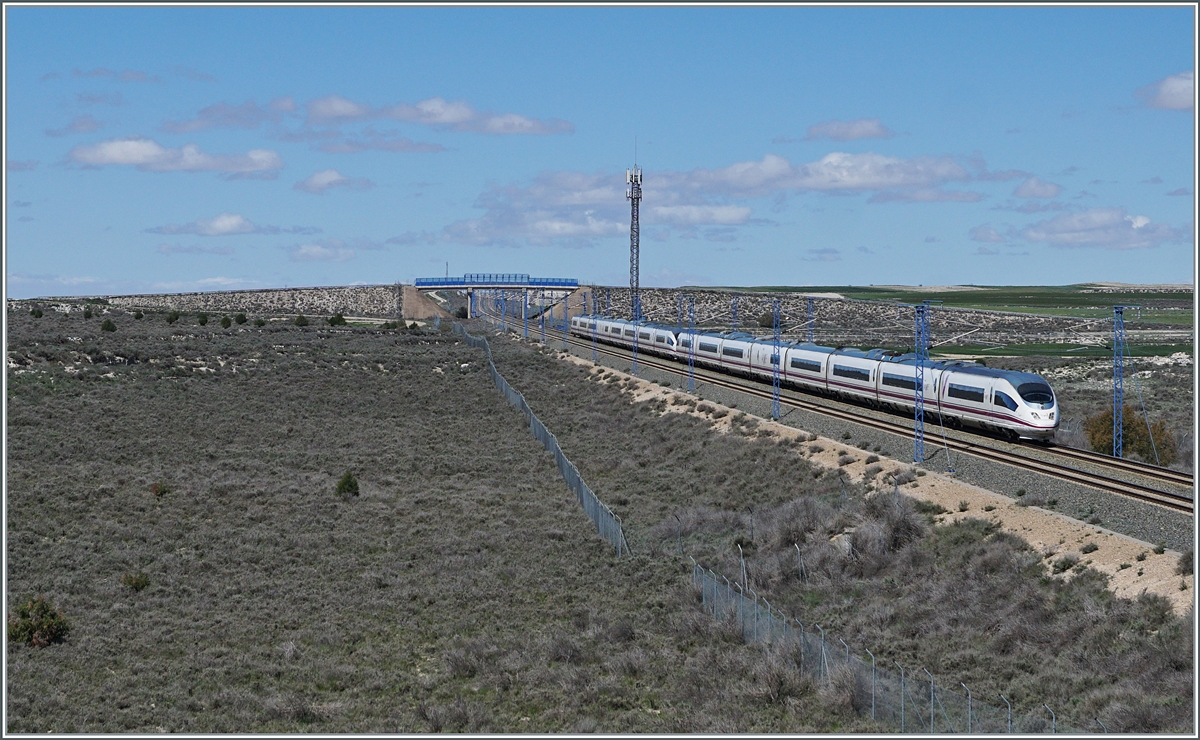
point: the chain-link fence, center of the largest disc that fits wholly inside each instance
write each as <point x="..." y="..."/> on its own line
<point x="908" y="700"/>
<point x="607" y="523"/>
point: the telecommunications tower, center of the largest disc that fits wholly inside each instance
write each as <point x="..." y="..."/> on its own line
<point x="634" y="193"/>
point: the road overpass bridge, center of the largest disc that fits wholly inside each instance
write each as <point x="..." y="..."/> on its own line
<point x="551" y="288"/>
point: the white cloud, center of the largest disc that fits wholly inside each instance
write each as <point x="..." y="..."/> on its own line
<point x="128" y="75"/>
<point x="194" y="249"/>
<point x="1106" y="228"/>
<point x="326" y="250"/>
<point x="79" y="125"/>
<point x="825" y="254"/>
<point x="1035" y="187"/>
<point x="372" y="140"/>
<point x="336" y="109"/>
<point x="149" y="155"/>
<point x="434" y="112"/>
<point x="319" y="182"/>
<point x="224" y="115"/>
<point x="699" y="214"/>
<point x="227" y="224"/>
<point x="1175" y="92"/>
<point x="926" y="195"/>
<point x="985" y="233"/>
<point x="862" y="128"/>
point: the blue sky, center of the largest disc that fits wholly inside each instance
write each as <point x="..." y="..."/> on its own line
<point x="174" y="149"/>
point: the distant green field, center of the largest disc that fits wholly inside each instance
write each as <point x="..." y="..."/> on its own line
<point x="1080" y="301"/>
<point x="1062" y="350"/>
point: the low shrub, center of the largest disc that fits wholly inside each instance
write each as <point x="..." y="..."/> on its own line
<point x="1089" y="547"/>
<point x="347" y="486"/>
<point x="720" y="413"/>
<point x="1141" y="556"/>
<point x="844" y="460"/>
<point x="337" y="320"/>
<point x="138" y="314"/>
<point x="964" y="506"/>
<point x="872" y="459"/>
<point x="136" y="581"/>
<point x="202" y="319"/>
<point x="35" y="313"/>
<point x="1160" y="548"/>
<point x="160" y="489"/>
<point x="226" y="322"/>
<point x="240" y="318"/>
<point x="460" y="312"/>
<point x="172" y="317"/>
<point x="1065" y="563"/>
<point x="37" y="623"/>
<point x="260" y="322"/>
<point x="1155" y="443"/>
<point x="301" y="321"/>
<point x="1185" y="565"/>
<point x="872" y="471"/>
<point x="87" y="312"/>
<point x="108" y="325"/>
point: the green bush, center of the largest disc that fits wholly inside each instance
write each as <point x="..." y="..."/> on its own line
<point x="348" y="485"/>
<point x="172" y="317"/>
<point x="37" y="623"/>
<point x="1135" y="437"/>
<point x="138" y="315"/>
<point x="301" y="321"/>
<point x="202" y="318"/>
<point x="1089" y="547"/>
<point x="35" y="313"/>
<point x="136" y="581"/>
<point x="337" y="320"/>
<point x="226" y="322"/>
<point x="108" y="325"/>
<point x="87" y="312"/>
<point x="260" y="322"/>
<point x="461" y="312"/>
<point x="1185" y="564"/>
<point x="240" y="318"/>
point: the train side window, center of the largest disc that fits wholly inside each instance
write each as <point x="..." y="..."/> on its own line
<point x="629" y="332"/>
<point x="774" y="359"/>
<point x="706" y="347"/>
<point x="899" y="381"/>
<point x="965" y="392"/>
<point x="854" y="373"/>
<point x="809" y="365"/>
<point x="660" y="339"/>
<point x="731" y="352"/>
<point x="644" y="335"/>
<point x="1002" y="399"/>
<point x="686" y="343"/>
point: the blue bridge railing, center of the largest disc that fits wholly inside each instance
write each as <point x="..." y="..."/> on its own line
<point x="487" y="278"/>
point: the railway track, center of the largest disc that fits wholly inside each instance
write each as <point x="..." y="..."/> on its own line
<point x="980" y="449"/>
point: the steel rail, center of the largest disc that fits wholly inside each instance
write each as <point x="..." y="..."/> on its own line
<point x="1166" y="499"/>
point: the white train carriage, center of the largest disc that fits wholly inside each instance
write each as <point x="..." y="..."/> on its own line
<point x="851" y="374"/>
<point x="806" y="364"/>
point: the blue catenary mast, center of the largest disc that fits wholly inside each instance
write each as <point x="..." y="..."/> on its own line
<point x="921" y="332"/>
<point x="733" y="306"/>
<point x="525" y="311"/>
<point x="811" y="323"/>
<point x="1119" y="351"/>
<point x="692" y="344"/>
<point x="776" y="360"/>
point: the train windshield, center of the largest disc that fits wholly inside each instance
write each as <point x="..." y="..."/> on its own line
<point x="1037" y="395"/>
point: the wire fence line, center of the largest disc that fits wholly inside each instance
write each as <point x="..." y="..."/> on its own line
<point x="608" y="524"/>
<point x="910" y="701"/>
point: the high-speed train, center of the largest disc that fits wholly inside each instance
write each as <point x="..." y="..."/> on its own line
<point x="1015" y="404"/>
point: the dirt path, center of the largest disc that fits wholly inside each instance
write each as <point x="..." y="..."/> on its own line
<point x="1055" y="535"/>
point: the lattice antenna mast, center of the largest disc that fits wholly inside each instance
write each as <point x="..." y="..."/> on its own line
<point x="633" y="178"/>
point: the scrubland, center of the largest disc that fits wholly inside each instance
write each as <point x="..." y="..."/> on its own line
<point x="462" y="589"/>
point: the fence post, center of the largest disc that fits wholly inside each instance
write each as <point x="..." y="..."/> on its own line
<point x="1009" y="714"/>
<point x="960" y="683"/>
<point x="1102" y="727"/>
<point x="932" y="716"/>
<point x="872" y="682"/>
<point x="901" y="695"/>
<point x="1053" y="720"/>
<point x="847" y="650"/>
<point x="824" y="660"/>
